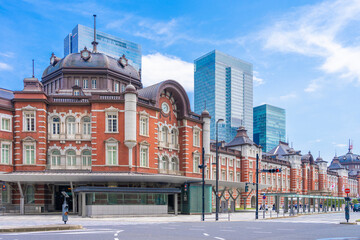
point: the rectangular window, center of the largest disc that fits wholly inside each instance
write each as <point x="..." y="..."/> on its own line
<point x="223" y="161"/>
<point x="144" y="157"/>
<point x="85" y="84"/>
<point x="231" y="162"/>
<point x="77" y="82"/>
<point x="5" y="124"/>
<point x="122" y="87"/>
<point x="29" y="122"/>
<point x="251" y="177"/>
<point x="251" y="164"/>
<point x="196" y="162"/>
<point x="231" y="176"/>
<point x="5" y="153"/>
<point x="196" y="138"/>
<point x="116" y="87"/>
<point x="144" y="126"/>
<point x="223" y="176"/>
<point x="29" y="154"/>
<point x="93" y="83"/>
<point x="111" y="154"/>
<point x="76" y="93"/>
<point x="87" y="128"/>
<point x="238" y="177"/>
<point x="237" y="163"/>
<point x="112" y="123"/>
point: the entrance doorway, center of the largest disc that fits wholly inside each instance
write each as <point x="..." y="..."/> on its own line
<point x="253" y="202"/>
<point x="59" y="198"/>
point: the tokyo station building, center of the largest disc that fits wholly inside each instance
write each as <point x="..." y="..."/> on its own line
<point x="90" y="129"/>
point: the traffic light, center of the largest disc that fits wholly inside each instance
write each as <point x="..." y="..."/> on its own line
<point x="274" y="170"/>
<point x="246" y="188"/>
<point x="65" y="212"/>
<point x="186" y="187"/>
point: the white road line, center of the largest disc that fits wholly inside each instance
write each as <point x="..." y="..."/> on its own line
<point x="227" y="230"/>
<point x="119" y="231"/>
<point x="196" y="229"/>
<point x="168" y="228"/>
<point x="285" y="229"/>
<point x="219" y="238"/>
<point x="253" y="228"/>
<point x="261" y="232"/>
<point x="205" y="234"/>
<point x="116" y="239"/>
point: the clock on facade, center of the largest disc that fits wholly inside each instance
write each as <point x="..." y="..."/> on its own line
<point x="123" y="61"/>
<point x="85" y="54"/>
<point x="165" y="107"/>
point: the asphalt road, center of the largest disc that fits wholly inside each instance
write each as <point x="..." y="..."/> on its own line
<point x="206" y="230"/>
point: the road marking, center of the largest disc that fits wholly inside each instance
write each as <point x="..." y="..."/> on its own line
<point x="261" y="232"/>
<point x="171" y="228"/>
<point x="116" y="239"/>
<point x="205" y="234"/>
<point x="219" y="238"/>
<point x="285" y="229"/>
<point x="119" y="231"/>
<point x="227" y="230"/>
<point x="253" y="228"/>
<point x="196" y="229"/>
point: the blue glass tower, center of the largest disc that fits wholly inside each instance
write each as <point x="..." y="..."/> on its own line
<point x="226" y="84"/>
<point x="269" y="126"/>
<point x="82" y="36"/>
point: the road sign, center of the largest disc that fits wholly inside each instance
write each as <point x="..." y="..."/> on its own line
<point x="347" y="190"/>
<point x="264" y="197"/>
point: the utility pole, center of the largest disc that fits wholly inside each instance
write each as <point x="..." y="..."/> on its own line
<point x="203" y="184"/>
<point x="257" y="187"/>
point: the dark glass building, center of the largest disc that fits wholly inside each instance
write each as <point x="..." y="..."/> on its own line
<point x="269" y="126"/>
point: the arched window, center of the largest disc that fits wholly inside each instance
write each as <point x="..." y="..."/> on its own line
<point x="164" y="134"/>
<point x="86" y="125"/>
<point x="86" y="158"/>
<point x="174" y="137"/>
<point x="30" y="194"/>
<point x="174" y="165"/>
<point x="71" y="126"/>
<point x="55" y="158"/>
<point x="164" y="163"/>
<point x="71" y="158"/>
<point x="55" y="125"/>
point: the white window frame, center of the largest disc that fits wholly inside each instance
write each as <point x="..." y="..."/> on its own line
<point x="223" y="161"/>
<point x="57" y="161"/>
<point x="114" y="162"/>
<point x="77" y="82"/>
<point x="171" y="164"/>
<point x="86" y="126"/>
<point x="76" y="92"/>
<point x="85" y="83"/>
<point x="174" y="137"/>
<point x="71" y="160"/>
<point x="25" y="152"/>
<point x="9" y="160"/>
<point x="71" y="127"/>
<point x="86" y="158"/>
<point x="27" y="121"/>
<point x="196" y="137"/>
<point x="144" y="156"/>
<point x="144" y="126"/>
<point x="93" y="83"/>
<point x="2" y="124"/>
<point x="116" y="87"/>
<point x="238" y="163"/>
<point x="231" y="162"/>
<point x="108" y="129"/>
<point x="55" y="126"/>
<point x="196" y="163"/>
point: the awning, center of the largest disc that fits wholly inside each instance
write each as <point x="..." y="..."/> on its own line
<point x="239" y="185"/>
<point x="126" y="190"/>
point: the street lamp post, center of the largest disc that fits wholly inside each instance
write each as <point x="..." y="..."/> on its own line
<point x="217" y="170"/>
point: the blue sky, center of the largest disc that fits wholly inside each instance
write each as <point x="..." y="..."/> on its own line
<point x="306" y="54"/>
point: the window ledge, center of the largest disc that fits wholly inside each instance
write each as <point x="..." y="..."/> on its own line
<point x="144" y="135"/>
<point x="111" y="132"/>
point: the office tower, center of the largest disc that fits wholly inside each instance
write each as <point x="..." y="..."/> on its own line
<point x="225" y="83"/>
<point x="269" y="126"/>
<point x="82" y="36"/>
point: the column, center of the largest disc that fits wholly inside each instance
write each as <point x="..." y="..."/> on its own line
<point x="176" y="204"/>
<point x="80" y="207"/>
<point x="83" y="205"/>
<point x="298" y="205"/>
<point x="286" y="204"/>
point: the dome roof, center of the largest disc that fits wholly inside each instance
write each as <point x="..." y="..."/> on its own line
<point x="349" y="158"/>
<point x="307" y="158"/>
<point x="130" y="89"/>
<point x="96" y="61"/>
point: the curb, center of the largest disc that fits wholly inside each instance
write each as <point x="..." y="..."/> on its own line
<point x="349" y="223"/>
<point x="40" y="228"/>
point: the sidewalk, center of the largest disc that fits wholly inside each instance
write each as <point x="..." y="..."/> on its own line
<point x="14" y="221"/>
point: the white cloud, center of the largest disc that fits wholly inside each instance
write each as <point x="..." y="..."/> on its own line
<point x="7" y="54"/>
<point x="257" y="80"/>
<point x="157" y="67"/>
<point x="314" y="86"/>
<point x="323" y="30"/>
<point x="340" y="145"/>
<point x="288" y="96"/>
<point x="5" y="67"/>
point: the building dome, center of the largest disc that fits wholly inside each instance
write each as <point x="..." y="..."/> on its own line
<point x="307" y="158"/>
<point x="349" y="158"/>
<point x="96" y="61"/>
<point x="130" y="89"/>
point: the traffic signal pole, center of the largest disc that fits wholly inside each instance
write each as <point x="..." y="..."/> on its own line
<point x="257" y="187"/>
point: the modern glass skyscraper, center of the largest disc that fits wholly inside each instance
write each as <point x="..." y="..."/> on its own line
<point x="226" y="84"/>
<point x="269" y="126"/>
<point x="82" y="36"/>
